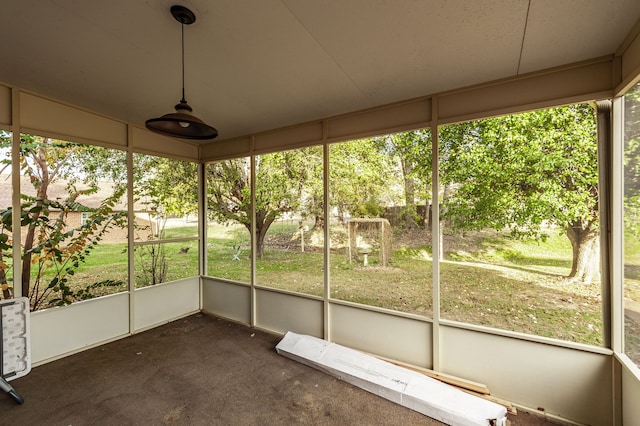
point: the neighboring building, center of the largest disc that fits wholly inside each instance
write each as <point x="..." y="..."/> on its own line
<point x="146" y="225"/>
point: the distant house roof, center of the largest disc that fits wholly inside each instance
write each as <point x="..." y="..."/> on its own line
<point x="58" y="190"/>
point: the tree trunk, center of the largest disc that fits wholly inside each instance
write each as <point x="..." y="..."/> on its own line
<point x="446" y="193"/>
<point x="6" y="293"/>
<point x="585" y="243"/>
<point x="29" y="238"/>
<point x="428" y="214"/>
<point x="263" y="222"/>
<point x="410" y="206"/>
<point x="409" y="194"/>
<point x="40" y="158"/>
<point x="260" y="242"/>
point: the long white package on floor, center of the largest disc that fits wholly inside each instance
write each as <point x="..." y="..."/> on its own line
<point x="400" y="385"/>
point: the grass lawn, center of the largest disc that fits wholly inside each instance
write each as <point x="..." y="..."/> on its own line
<point x="105" y="263"/>
<point x="109" y="263"/>
<point x="521" y="286"/>
<point x="486" y="279"/>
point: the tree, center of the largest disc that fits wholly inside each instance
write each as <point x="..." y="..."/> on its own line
<point x="61" y="250"/>
<point x="51" y="251"/>
<point x="166" y="187"/>
<point x="412" y="152"/>
<point x="632" y="161"/>
<point x="524" y="172"/>
<point x="360" y="177"/>
<point x="291" y="181"/>
<point x="312" y="192"/>
<point x="282" y="181"/>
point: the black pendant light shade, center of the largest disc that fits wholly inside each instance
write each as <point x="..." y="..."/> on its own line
<point x="182" y="123"/>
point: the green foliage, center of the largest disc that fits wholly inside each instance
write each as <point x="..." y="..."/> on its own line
<point x="411" y="152"/>
<point x="632" y="161"/>
<point x="286" y="181"/>
<point x="6" y="245"/>
<point x="312" y="188"/>
<point x="409" y="215"/>
<point x="522" y="171"/>
<point x="54" y="251"/>
<point x="5" y="150"/>
<point x="280" y="177"/>
<point x="229" y="191"/>
<point x="359" y="173"/>
<point x="368" y="208"/>
<point x="418" y="253"/>
<point x="165" y="186"/>
<point x="59" y="252"/>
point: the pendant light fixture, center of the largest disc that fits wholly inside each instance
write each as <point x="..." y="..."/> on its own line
<point x="182" y="123"/>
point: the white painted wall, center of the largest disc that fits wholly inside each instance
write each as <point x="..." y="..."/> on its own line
<point x="161" y="303"/>
<point x="389" y="335"/>
<point x="228" y="300"/>
<point x="281" y="312"/>
<point x="630" y="378"/>
<point x="61" y="331"/>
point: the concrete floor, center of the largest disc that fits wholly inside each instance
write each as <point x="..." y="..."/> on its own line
<point x="199" y="370"/>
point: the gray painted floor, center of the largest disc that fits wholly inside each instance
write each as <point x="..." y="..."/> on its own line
<point x="200" y="370"/>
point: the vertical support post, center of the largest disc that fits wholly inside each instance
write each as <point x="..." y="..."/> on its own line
<point x="15" y="196"/>
<point x="202" y="228"/>
<point x="604" y="203"/>
<point x="616" y="254"/>
<point x="327" y="239"/>
<point x="435" y="235"/>
<point x="383" y="249"/>
<point x="617" y="229"/>
<point x="254" y="243"/>
<point x="130" y="233"/>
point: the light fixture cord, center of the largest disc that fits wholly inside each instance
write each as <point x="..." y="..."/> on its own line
<point x="182" y="27"/>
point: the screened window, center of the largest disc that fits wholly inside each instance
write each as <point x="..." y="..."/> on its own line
<point x="229" y="219"/>
<point x="381" y="250"/>
<point x="74" y="234"/>
<point x="290" y="220"/>
<point x="632" y="224"/>
<point x="519" y="223"/>
<point x="165" y="219"/>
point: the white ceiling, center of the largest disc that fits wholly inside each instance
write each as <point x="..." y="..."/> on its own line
<point x="254" y="65"/>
